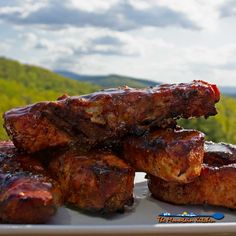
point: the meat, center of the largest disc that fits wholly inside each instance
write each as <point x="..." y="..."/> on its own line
<point x="215" y="186"/>
<point x="27" y="193"/>
<point x="218" y="154"/>
<point x="106" y="116"/>
<point x="95" y="181"/>
<point x="173" y="155"/>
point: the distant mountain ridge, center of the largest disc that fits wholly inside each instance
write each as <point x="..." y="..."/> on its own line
<point x="227" y="90"/>
<point x="108" y="81"/>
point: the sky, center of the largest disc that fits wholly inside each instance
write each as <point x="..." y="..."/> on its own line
<point x="162" y="40"/>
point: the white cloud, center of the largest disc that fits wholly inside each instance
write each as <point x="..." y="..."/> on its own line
<point x="4" y="47"/>
<point x="22" y="8"/>
<point x="92" y="51"/>
<point x="146" y="38"/>
<point x="29" y="39"/>
<point x="86" y="42"/>
<point x="121" y="16"/>
<point x="91" y="5"/>
<point x="33" y="41"/>
<point x="205" y="13"/>
<point x="165" y="62"/>
<point x="228" y="9"/>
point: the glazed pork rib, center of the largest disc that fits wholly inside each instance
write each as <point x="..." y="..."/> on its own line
<point x="27" y="194"/>
<point x="219" y="154"/>
<point x="94" y="182"/>
<point x="215" y="186"/>
<point x="173" y="155"/>
<point x="107" y="115"/>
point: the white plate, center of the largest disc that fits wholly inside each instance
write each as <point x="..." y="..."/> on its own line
<point x="141" y="219"/>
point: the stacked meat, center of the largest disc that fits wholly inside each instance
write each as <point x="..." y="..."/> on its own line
<point x="84" y="151"/>
<point x="216" y="184"/>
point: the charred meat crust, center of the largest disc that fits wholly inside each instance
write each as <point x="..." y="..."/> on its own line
<point x="27" y="193"/>
<point x="218" y="154"/>
<point x="215" y="186"/>
<point x="107" y="115"/>
<point x="173" y="155"/>
<point x="94" y="182"/>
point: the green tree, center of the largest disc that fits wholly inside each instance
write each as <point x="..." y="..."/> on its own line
<point x="220" y="128"/>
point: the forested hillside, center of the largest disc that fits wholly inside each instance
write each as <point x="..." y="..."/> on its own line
<point x="109" y="81"/>
<point x="23" y="84"/>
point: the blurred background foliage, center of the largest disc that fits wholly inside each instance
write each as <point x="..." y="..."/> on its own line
<point x="24" y="84"/>
<point x="219" y="128"/>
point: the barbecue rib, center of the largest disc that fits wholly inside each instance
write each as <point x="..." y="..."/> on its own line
<point x="95" y="181"/>
<point x="218" y="154"/>
<point x="108" y="115"/>
<point x="173" y="155"/>
<point x="215" y="186"/>
<point x="27" y="194"/>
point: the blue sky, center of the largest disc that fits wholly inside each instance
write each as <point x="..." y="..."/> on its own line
<point x="163" y="40"/>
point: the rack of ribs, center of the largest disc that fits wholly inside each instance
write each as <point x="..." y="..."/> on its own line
<point x="106" y="116"/>
<point x="171" y="154"/>
<point x="215" y="186"/>
<point x="27" y="194"/>
<point x="94" y="182"/>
